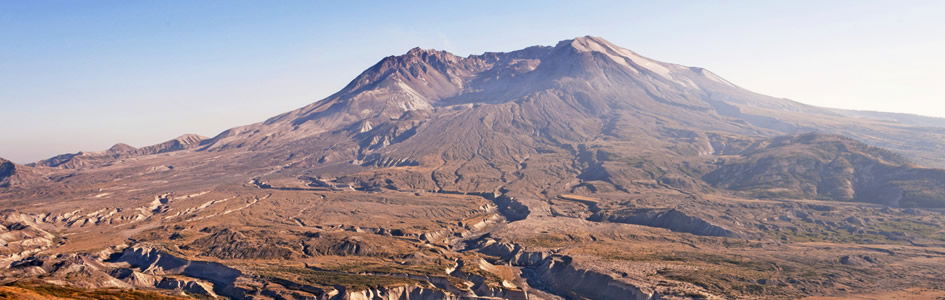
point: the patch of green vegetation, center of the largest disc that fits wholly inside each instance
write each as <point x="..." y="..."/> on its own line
<point x="547" y="240"/>
<point x="888" y="232"/>
<point x="684" y="257"/>
<point x="616" y="254"/>
<point x="729" y="282"/>
<point x="646" y="165"/>
<point x="775" y="193"/>
<point x="911" y="227"/>
<point x="332" y="278"/>
<point x="838" y="236"/>
<point x="386" y="267"/>
<point x="921" y="193"/>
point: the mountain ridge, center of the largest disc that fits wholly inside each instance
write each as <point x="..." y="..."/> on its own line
<point x="118" y="151"/>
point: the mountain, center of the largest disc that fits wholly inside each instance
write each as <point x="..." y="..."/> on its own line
<point x="580" y="170"/>
<point x="588" y="79"/>
<point x="12" y="175"/>
<point x="815" y="166"/>
<point x="456" y="115"/>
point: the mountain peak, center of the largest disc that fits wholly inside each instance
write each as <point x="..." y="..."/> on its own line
<point x="421" y="51"/>
<point x="418" y="54"/>
<point x="588" y="43"/>
<point x="629" y="59"/>
<point x="121" y="148"/>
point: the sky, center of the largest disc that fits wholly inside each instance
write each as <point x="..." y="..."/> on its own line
<point x="84" y="75"/>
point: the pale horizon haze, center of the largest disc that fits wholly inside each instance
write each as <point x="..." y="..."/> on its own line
<point x="84" y="75"/>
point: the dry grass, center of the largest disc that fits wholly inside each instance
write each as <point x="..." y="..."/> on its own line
<point x="29" y="291"/>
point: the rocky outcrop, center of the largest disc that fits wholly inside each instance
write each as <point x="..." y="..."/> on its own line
<point x="231" y="244"/>
<point x="380" y="161"/>
<point x="409" y="292"/>
<point x="511" y="209"/>
<point x="181" y="284"/>
<point x="20" y="238"/>
<point x="386" y="134"/>
<point x="152" y="261"/>
<point x="513" y="253"/>
<point x="558" y="274"/>
<point x="165" y="271"/>
<point x="82" y="217"/>
<point x="283" y="289"/>
<point x="189" y="286"/>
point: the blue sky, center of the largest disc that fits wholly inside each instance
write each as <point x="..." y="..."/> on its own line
<point x="83" y="75"/>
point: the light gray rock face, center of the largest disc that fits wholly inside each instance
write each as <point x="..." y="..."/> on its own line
<point x="400" y="293"/>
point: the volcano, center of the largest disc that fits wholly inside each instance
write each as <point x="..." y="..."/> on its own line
<point x="549" y="172"/>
